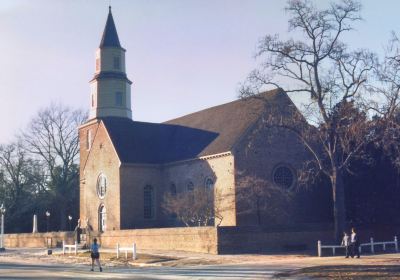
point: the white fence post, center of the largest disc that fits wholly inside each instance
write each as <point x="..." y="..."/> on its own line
<point x="372" y="245"/>
<point x="134" y="251"/>
<point x="63" y="247"/>
<point x="117" y="250"/>
<point x="396" y="245"/>
<point x="319" y="249"/>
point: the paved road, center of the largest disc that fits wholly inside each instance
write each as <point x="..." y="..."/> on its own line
<point x="57" y="271"/>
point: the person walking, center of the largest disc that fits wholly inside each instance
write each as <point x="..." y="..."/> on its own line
<point x="346" y="243"/>
<point x="355" y="244"/>
<point x="95" y="255"/>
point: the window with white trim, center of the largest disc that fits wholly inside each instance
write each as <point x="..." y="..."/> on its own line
<point x="283" y="176"/>
<point x="148" y="202"/>
<point x="190" y="186"/>
<point x="209" y="183"/>
<point x="101" y="185"/>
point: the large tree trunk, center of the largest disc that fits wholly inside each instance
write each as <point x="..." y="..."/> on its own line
<point x="339" y="208"/>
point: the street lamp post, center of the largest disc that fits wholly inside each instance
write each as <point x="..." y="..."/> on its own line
<point x="48" y="220"/>
<point x="2" y="212"/>
<point x="69" y="221"/>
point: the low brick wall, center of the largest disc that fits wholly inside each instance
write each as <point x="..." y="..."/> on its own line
<point x="256" y="240"/>
<point x="192" y="239"/>
<point x="37" y="240"/>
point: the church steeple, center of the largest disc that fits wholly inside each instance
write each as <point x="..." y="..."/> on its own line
<point x="110" y="35"/>
<point x="110" y="87"/>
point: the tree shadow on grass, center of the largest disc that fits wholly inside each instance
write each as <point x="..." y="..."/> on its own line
<point x="347" y="272"/>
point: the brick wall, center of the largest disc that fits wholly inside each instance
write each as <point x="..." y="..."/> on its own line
<point x="37" y="240"/>
<point x="212" y="240"/>
<point x="220" y="169"/>
<point x="257" y="239"/>
<point x="191" y="239"/>
<point x="101" y="158"/>
<point x="134" y="178"/>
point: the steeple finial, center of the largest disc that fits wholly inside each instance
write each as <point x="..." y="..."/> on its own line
<point x="110" y="36"/>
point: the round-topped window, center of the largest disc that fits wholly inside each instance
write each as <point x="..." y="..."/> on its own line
<point x="283" y="176"/>
<point x="209" y="183"/>
<point x="101" y="185"/>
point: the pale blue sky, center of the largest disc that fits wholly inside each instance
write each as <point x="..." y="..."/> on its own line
<point x="182" y="56"/>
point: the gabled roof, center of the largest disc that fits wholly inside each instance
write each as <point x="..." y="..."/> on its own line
<point x="141" y="142"/>
<point x="110" y="35"/>
<point x="211" y="131"/>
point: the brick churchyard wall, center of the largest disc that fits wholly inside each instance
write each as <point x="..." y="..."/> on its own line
<point x="192" y="239"/>
<point x="37" y="240"/>
<point x="212" y="240"/>
<point x="258" y="239"/>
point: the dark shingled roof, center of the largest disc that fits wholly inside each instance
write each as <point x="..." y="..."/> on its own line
<point x="207" y="132"/>
<point x="141" y="142"/>
<point x="110" y="36"/>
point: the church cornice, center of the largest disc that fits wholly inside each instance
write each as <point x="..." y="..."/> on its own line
<point x="156" y="165"/>
<point x="111" y="75"/>
<point x="89" y="122"/>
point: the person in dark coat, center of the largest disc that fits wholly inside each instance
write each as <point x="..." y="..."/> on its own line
<point x="354" y="243"/>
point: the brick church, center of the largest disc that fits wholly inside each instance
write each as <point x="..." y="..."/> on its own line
<point x="126" y="166"/>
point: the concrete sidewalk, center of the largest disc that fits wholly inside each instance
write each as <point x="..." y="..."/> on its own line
<point x="185" y="258"/>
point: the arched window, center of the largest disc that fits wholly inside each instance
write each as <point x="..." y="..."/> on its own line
<point x="190" y="186"/>
<point x="102" y="218"/>
<point x="148" y="202"/>
<point x="101" y="185"/>
<point x="172" y="189"/>
<point x="283" y="176"/>
<point x="209" y="183"/>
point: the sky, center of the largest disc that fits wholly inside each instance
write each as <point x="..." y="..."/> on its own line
<point x="182" y="55"/>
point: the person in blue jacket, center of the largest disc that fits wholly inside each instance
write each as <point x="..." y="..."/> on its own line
<point x="95" y="255"/>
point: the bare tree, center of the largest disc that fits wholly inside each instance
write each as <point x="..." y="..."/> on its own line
<point x="193" y="208"/>
<point x="19" y="185"/>
<point x="320" y="68"/>
<point x="386" y="105"/>
<point x="52" y="136"/>
<point x="256" y="196"/>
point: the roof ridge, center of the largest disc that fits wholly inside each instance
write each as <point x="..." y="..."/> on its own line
<point x="269" y="92"/>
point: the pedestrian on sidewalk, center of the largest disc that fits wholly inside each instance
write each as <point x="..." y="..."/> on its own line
<point x="95" y="254"/>
<point x="355" y="244"/>
<point x="346" y="243"/>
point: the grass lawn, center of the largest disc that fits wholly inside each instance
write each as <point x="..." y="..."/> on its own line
<point x="112" y="258"/>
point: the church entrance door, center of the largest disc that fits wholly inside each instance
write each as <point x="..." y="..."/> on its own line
<point x="102" y="218"/>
